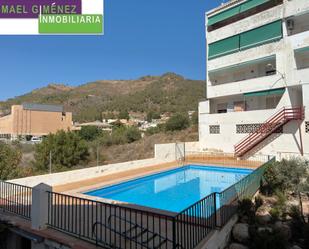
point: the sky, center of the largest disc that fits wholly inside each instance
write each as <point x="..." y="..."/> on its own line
<point x="142" y="37"/>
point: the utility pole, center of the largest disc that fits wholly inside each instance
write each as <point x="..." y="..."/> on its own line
<point x="50" y="162"/>
<point x="97" y="155"/>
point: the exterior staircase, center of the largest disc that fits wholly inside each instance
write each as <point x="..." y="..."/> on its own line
<point x="279" y="119"/>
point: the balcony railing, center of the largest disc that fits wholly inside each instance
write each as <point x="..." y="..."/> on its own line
<point x="127" y="226"/>
<point x="16" y="199"/>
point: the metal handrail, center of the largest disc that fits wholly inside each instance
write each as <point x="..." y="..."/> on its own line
<point x="281" y="117"/>
<point x="16" y="198"/>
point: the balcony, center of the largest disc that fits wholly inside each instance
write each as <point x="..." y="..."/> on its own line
<point x="251" y="85"/>
<point x="241" y="57"/>
<point x="257" y="116"/>
<point x="302" y="75"/>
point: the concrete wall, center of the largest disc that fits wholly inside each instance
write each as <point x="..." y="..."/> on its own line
<point x="6" y="125"/>
<point x="219" y="239"/>
<point x="163" y="153"/>
<point x="87" y="173"/>
<point x="288" y="143"/>
<point x="32" y="122"/>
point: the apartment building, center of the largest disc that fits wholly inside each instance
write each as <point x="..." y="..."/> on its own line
<point x="257" y="78"/>
<point x="34" y="120"/>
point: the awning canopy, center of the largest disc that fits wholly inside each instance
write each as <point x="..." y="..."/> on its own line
<point x="300" y="50"/>
<point x="265" y="93"/>
<point x="247" y="5"/>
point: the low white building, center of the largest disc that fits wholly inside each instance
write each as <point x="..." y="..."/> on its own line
<point x="257" y="78"/>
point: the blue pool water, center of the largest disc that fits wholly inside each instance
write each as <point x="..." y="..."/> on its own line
<point x="173" y="190"/>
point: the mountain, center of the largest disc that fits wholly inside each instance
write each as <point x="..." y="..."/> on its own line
<point x="166" y="93"/>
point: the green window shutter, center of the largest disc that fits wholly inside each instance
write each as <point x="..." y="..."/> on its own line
<point x="265" y="34"/>
<point x="223" y="47"/>
<point x="251" y="4"/>
<point x="223" y="15"/>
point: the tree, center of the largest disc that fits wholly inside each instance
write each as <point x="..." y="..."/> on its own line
<point x="177" y="122"/>
<point x="67" y="150"/>
<point x="133" y="134"/>
<point x="287" y="175"/>
<point x="90" y="133"/>
<point x="10" y="158"/>
<point x="152" y="115"/>
<point x="194" y="118"/>
<point x="124" y="115"/>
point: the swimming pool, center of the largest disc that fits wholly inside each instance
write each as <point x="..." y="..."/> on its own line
<point x="173" y="190"/>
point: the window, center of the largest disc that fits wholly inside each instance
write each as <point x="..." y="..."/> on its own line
<point x="222" y="108"/>
<point x="302" y="58"/>
<point x="214" y="129"/>
<point x="250" y="128"/>
<point x="272" y="101"/>
<point x="239" y="106"/>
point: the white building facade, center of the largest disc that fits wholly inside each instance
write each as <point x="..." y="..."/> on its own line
<point x="257" y="71"/>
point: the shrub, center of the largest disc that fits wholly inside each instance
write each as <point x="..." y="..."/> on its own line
<point x="258" y="201"/>
<point x="10" y="158"/>
<point x="268" y="240"/>
<point x="152" y="115"/>
<point x="89" y="133"/>
<point x="152" y="131"/>
<point x="124" y="115"/>
<point x="177" y="122"/>
<point x="194" y="118"/>
<point x="275" y="213"/>
<point x="279" y="211"/>
<point x="305" y="235"/>
<point x="287" y="175"/>
<point x="246" y="207"/>
<point x="132" y="134"/>
<point x="67" y="149"/>
<point x="297" y="222"/>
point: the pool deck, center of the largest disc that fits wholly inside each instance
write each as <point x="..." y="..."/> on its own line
<point x="75" y="188"/>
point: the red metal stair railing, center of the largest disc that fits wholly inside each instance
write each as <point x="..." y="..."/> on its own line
<point x="280" y="118"/>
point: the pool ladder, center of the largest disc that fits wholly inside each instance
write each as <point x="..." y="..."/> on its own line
<point x="135" y="233"/>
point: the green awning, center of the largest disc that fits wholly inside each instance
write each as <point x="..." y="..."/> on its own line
<point x="265" y="34"/>
<point x="223" y="47"/>
<point x="224" y="15"/>
<point x="262" y="35"/>
<point x="300" y="50"/>
<point x="249" y="4"/>
<point x="278" y="91"/>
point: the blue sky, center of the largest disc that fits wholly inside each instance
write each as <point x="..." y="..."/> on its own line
<point x="142" y="37"/>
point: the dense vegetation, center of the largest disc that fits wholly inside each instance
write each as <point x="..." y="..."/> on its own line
<point x="276" y="218"/>
<point x="66" y="150"/>
<point x="10" y="158"/>
<point x="148" y="95"/>
<point x="90" y="146"/>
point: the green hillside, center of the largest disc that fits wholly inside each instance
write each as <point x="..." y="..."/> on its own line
<point x="166" y="93"/>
